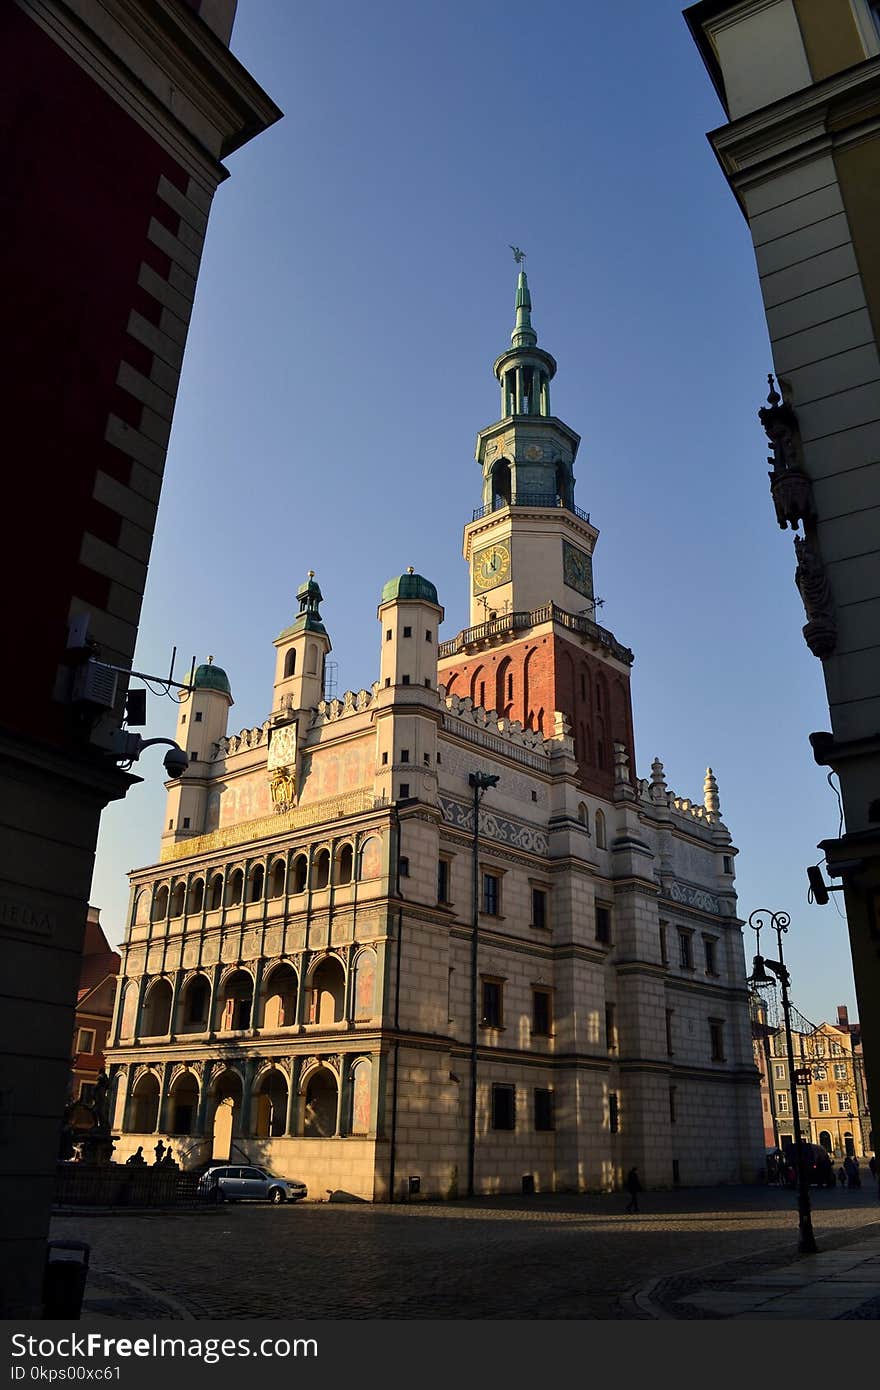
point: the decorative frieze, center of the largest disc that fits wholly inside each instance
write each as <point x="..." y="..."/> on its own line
<point x="495" y="827"/>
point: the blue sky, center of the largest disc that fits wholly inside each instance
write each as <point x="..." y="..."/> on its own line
<point x="356" y="287"/>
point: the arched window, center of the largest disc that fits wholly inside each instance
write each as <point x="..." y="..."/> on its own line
<point x="216" y="893"/>
<point x="322" y="868"/>
<point x="195" y="1003"/>
<point x="503" y="687"/>
<point x="157" y="1011"/>
<point x="160" y="904"/>
<point x="600" y="830"/>
<point x="500" y="484"/>
<point x="478" y="686"/>
<point x="141" y="910"/>
<point x="300" y="873"/>
<point x="370" y="858"/>
<point x="271" y="1097"/>
<point x="183" y="1103"/>
<point x="312" y="659"/>
<point x="584" y="815"/>
<point x="326" y="998"/>
<point x="178" y="897"/>
<point x="344" y="864"/>
<point x="290" y="663"/>
<point x="235" y="888"/>
<point x="319" y="1104"/>
<point x="196" y="895"/>
<point x="143" y="1106"/>
<point x="238" y="998"/>
<point x="276" y="883"/>
<point x="255" y="883"/>
<point x="279" y="1009"/>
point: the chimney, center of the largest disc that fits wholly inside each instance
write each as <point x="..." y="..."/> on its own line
<point x="842" y="1018"/>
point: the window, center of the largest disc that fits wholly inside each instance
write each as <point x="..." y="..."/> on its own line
<point x="193" y="757"/>
<point x="600" y="827"/>
<point x="716" y="1040"/>
<point x="503" y="1107"/>
<point x="429" y="636"/>
<point x="443" y="868"/>
<point x="404" y="755"/>
<point x="603" y="925"/>
<point x="782" y="1102"/>
<point x="171" y="825"/>
<point x="610" y="1028"/>
<point x="186" y="822"/>
<point x="403" y="866"/>
<point x="387" y="682"/>
<point x="779" y="1071"/>
<point x="613" y="1113"/>
<point x="664" y="954"/>
<point x="802" y="1103"/>
<point x="836" y="1050"/>
<point x="427" y="682"/>
<point x="407" y="632"/>
<point x="709" y="946"/>
<point x="669" y="1047"/>
<point x="198" y="716"/>
<point x="388" y="634"/>
<point x="492" y="1016"/>
<point x="404" y="790"/>
<point x="426" y="759"/>
<point x="544" y="1118"/>
<point x="404" y="680"/>
<point x="685" y="951"/>
<point x="840" y="1071"/>
<point x="290" y="663"/>
<point x="539" y="908"/>
<point x="824" y="1102"/>
<point x="843" y="1101"/>
<point x="85" y="1040"/>
<point x="384" y="759"/>
<point x="541" y="1012"/>
<point x="727" y="860"/>
<point x="672" y="1105"/>
<point x="491" y="894"/>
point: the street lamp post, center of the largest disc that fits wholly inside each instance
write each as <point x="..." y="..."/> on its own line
<point x="480" y="782"/>
<point x="779" y="922"/>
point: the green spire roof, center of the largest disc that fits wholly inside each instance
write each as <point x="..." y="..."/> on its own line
<point x="209" y="677"/>
<point x="410" y="586"/>
<point x="523" y="334"/>
<point x="308" y="619"/>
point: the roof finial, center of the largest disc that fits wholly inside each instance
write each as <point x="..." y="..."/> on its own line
<point x="210" y="660"/>
<point x="410" y="569"/>
<point x="518" y="255"/>
<point x="710" y="793"/>
<point x="523" y="334"/>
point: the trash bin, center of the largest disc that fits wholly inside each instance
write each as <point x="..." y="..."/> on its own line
<point x="64" y="1281"/>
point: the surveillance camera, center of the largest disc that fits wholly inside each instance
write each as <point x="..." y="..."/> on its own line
<point x="176" y="762"/>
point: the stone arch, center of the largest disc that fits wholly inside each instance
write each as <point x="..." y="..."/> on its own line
<point x="601" y="840"/>
<point x="300" y="873"/>
<point x="500" y="484"/>
<point x="280" y="996"/>
<point x="196" y="895"/>
<point x="504" y="689"/>
<point x="270" y="1098"/>
<point x="360" y="1116"/>
<point x="256" y="881"/>
<point x="364" y="983"/>
<point x="143" y="1104"/>
<point x="322" y="869"/>
<point x="183" y="1103"/>
<point x="235" y="888"/>
<point x="215" y="901"/>
<point x="826" y="1141"/>
<point x="320" y="1100"/>
<point x="140" y="911"/>
<point x="370" y="858"/>
<point x="129" y="1011"/>
<point x="276" y="879"/>
<point x="160" y="903"/>
<point x="326" y="985"/>
<point x="584" y="814"/>
<point x="478" y="686"/>
<point x="312" y="659"/>
<point x="290" y="663"/>
<point x="226" y="1109"/>
<point x="178" y="900"/>
<point x="345" y="863"/>
<point x="195" y="1004"/>
<point x="451" y="682"/>
<point x="236" y="1000"/>
<point x="157" y="1009"/>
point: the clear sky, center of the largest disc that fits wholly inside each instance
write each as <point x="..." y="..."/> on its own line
<point x="356" y="287"/>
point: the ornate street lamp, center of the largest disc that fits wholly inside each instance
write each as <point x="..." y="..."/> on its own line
<point x="480" y="782"/>
<point x="779" y="922"/>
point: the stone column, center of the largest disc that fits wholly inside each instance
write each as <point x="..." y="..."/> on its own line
<point x="295" y="1066"/>
<point x="163" y="1095"/>
<point x="518" y="404"/>
<point x="341" y="1093"/>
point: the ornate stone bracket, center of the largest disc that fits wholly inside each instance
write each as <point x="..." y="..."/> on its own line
<point x="820" y="632"/>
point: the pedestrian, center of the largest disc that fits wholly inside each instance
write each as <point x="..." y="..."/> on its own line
<point x="841" y="1176"/>
<point x="872" y="1165"/>
<point x="633" y="1187"/>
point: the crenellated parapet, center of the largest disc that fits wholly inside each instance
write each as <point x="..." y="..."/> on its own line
<point x="247" y="738"/>
<point x="653" y="792"/>
<point x="352" y="702"/>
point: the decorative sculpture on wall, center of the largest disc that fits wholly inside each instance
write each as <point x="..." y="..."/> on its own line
<point x="789" y="485"/>
<point x="283" y="789"/>
<point x="820" y="632"/>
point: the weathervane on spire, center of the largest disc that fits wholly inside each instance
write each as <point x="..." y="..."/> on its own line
<point x="518" y="255"/>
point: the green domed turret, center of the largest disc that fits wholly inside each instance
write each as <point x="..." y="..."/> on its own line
<point x="410" y="586"/>
<point x="209" y="677"/>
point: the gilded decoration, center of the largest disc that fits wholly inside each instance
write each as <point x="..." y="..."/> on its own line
<point x="282" y="789"/>
<point x="334" y="808"/>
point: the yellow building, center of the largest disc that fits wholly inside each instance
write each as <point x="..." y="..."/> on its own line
<point x="799" y="81"/>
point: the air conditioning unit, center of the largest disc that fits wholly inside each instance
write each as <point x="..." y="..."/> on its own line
<point x="95" y="684"/>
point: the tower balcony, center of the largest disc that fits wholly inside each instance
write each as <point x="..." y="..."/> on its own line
<point x="500" y="628"/>
<point x="530" y="499"/>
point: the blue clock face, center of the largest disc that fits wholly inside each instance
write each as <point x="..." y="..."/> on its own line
<point x="577" y="569"/>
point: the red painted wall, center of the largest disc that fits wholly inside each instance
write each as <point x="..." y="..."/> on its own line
<point x="76" y="197"/>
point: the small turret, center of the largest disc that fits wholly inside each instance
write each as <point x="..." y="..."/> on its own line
<point x="302" y="650"/>
<point x="406" y="724"/>
<point x="201" y="720"/>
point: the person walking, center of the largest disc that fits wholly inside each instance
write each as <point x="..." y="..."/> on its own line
<point x="841" y="1176"/>
<point x="633" y="1187"/>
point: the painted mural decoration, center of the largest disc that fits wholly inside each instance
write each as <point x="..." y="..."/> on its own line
<point x="361" y="1087"/>
<point x="371" y="858"/>
<point x="328" y="773"/>
<point x="365" y="985"/>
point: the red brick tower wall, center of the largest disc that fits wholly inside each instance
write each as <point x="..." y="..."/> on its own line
<point x="528" y="680"/>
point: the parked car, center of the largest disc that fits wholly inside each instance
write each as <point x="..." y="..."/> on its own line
<point x="228" y="1183"/>
<point x="817" y="1161"/>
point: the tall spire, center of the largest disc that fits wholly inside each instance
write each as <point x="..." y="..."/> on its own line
<point x="523" y="334"/>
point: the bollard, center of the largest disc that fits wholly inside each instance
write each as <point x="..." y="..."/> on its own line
<point x="64" y="1281"/>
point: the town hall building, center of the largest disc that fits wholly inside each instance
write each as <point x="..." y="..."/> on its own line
<point x="437" y="936"/>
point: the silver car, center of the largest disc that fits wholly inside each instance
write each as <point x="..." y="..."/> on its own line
<point x="227" y="1183"/>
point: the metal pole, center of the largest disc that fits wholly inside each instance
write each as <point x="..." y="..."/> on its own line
<point x="806" y="1239"/>
<point x="475" y="902"/>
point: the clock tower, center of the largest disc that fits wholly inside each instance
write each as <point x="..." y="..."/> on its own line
<point x="533" y="645"/>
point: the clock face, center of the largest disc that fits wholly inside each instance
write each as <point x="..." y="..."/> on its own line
<point x="577" y="569"/>
<point x="491" y="567"/>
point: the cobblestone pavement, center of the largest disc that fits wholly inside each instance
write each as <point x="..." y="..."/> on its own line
<point x="523" y="1258"/>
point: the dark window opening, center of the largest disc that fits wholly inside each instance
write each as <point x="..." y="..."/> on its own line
<point x="603" y="925"/>
<point x="503" y="1107"/>
<point x="541" y="1012"/>
<point x="492" y="1004"/>
<point x="544" y="1117"/>
<point x="613" y="1113"/>
<point x="491" y="894"/>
